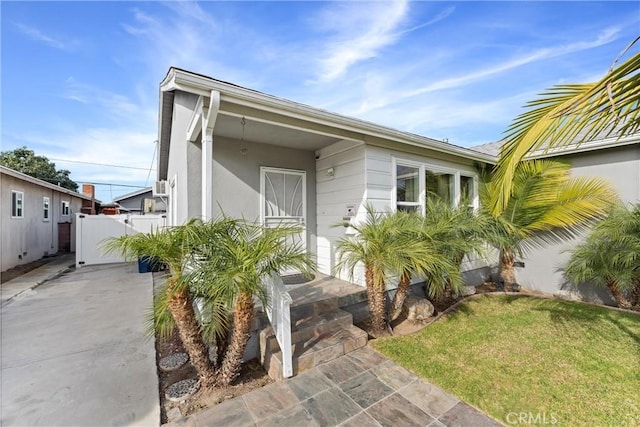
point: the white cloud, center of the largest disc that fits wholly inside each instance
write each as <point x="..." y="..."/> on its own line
<point x="605" y="37"/>
<point x="359" y="32"/>
<point x="39" y="36"/>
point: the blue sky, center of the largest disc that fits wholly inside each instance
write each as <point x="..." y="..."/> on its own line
<point x="80" y="79"/>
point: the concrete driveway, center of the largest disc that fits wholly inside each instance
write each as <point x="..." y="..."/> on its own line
<point x="74" y="352"/>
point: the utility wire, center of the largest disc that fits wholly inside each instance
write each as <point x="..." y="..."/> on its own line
<point x="155" y="148"/>
<point x="112" y="185"/>
<point x="101" y="164"/>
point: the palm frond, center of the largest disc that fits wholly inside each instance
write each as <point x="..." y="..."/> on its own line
<point x="571" y="114"/>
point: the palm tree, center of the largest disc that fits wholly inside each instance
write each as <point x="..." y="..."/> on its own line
<point x="545" y="205"/>
<point x="422" y="249"/>
<point x="459" y="231"/>
<point x="610" y="256"/>
<point x="232" y="269"/>
<point x="175" y="248"/>
<point x="572" y="113"/>
<point x="378" y="246"/>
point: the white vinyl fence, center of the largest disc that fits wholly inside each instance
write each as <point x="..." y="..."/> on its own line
<point x="93" y="230"/>
<point x="279" y="314"/>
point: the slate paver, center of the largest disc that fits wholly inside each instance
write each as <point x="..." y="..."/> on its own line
<point x="231" y="413"/>
<point x="308" y="384"/>
<point x="432" y="399"/>
<point x="365" y="389"/>
<point x="396" y="411"/>
<point x="268" y="400"/>
<point x="393" y="375"/>
<point x="341" y="369"/>
<point x="295" y="415"/>
<point x="331" y="407"/>
<point x="463" y="415"/>
<point x="367" y="358"/>
<point x="361" y="420"/>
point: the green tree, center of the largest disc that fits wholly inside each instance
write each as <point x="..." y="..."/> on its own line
<point x="400" y="244"/>
<point x="423" y="245"/>
<point x="231" y="267"/>
<point x="545" y="205"/>
<point x="572" y="114"/>
<point x="176" y="247"/>
<point x="610" y="256"/>
<point x="458" y="230"/>
<point x="25" y="161"/>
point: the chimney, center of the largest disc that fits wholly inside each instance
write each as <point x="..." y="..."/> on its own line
<point x="89" y="207"/>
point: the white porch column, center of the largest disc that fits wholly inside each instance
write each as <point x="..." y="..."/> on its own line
<point x="209" y="116"/>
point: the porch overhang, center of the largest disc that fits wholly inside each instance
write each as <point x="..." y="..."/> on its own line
<point x="276" y="121"/>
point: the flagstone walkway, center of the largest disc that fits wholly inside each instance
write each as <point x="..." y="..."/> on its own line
<point x="360" y="389"/>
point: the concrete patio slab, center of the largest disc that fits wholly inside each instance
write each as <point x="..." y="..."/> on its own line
<point x="74" y="351"/>
<point x="22" y="285"/>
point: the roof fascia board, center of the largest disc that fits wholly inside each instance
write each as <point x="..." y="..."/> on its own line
<point x="132" y="194"/>
<point x="201" y="85"/>
<point x="587" y="146"/>
<point x="41" y="183"/>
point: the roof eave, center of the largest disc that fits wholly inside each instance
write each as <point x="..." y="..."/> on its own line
<point x="178" y="79"/>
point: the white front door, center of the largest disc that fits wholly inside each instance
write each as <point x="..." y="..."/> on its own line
<point x="283" y="199"/>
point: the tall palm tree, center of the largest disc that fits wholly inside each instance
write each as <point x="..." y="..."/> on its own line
<point x="175" y="248"/>
<point x="545" y="205"/>
<point x="572" y="113"/>
<point x="610" y="256"/>
<point x="233" y="268"/>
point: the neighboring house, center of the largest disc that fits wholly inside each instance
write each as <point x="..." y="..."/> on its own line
<point x="614" y="159"/>
<point x="36" y="218"/>
<point x="141" y="201"/>
<point x="225" y="147"/>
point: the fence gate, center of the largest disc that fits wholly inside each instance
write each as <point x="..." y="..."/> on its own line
<point x="93" y="230"/>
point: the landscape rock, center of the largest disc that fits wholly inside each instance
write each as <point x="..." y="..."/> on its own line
<point x="567" y="295"/>
<point x="417" y="309"/>
<point x="467" y="290"/>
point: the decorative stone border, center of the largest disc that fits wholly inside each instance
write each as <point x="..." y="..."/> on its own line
<point x="173" y="361"/>
<point x="182" y="390"/>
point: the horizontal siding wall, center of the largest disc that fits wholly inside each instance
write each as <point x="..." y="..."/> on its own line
<point x="379" y="193"/>
<point x="334" y="193"/>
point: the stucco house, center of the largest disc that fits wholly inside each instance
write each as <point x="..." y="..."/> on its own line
<point x="140" y="202"/>
<point x="222" y="146"/>
<point x="615" y="159"/>
<point x="225" y="147"/>
<point x="35" y="218"/>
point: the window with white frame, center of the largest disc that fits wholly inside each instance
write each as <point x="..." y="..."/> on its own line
<point x="417" y="183"/>
<point x="440" y="186"/>
<point x="45" y="209"/>
<point x="17" y="204"/>
<point x="65" y="208"/>
<point x="468" y="193"/>
<point x="407" y="188"/>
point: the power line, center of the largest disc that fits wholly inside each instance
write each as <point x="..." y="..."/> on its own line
<point x="155" y="148"/>
<point x="100" y="164"/>
<point x="109" y="184"/>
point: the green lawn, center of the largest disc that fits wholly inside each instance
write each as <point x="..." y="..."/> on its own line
<point x="572" y="363"/>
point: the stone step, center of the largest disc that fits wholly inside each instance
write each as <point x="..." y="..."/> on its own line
<point x="310" y="326"/>
<point x="315" y="350"/>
